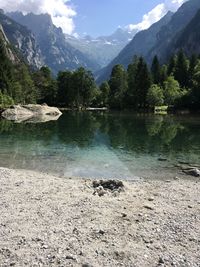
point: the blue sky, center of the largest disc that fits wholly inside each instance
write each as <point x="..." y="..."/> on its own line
<point x="96" y="17"/>
<point x="102" y="17"/>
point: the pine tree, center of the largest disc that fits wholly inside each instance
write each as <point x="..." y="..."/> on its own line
<point x="104" y="93"/>
<point x="181" y="69"/>
<point x="66" y="94"/>
<point x="171" y="66"/>
<point x="142" y="83"/>
<point x="118" y="86"/>
<point x="131" y="76"/>
<point x="6" y="71"/>
<point x="156" y="71"/>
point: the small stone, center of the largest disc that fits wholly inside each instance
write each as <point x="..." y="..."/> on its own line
<point x="101" y="232"/>
<point x="70" y="257"/>
<point x="124" y="215"/>
<point x="161" y="261"/>
<point x="150" y="199"/>
<point x="176" y="178"/>
<point x="162" y="159"/>
<point x="148" y="207"/>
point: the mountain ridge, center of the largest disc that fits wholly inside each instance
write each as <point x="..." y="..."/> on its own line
<point x="57" y="53"/>
<point x="23" y="40"/>
<point x="136" y="47"/>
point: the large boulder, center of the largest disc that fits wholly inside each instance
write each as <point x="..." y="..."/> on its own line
<point x="31" y="112"/>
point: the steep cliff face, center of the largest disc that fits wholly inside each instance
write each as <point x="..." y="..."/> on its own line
<point x="9" y="52"/>
<point x="189" y="38"/>
<point x="168" y="34"/>
<point x="57" y="53"/>
<point x="23" y="40"/>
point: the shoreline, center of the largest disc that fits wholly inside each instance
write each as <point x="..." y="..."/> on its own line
<point x="51" y="221"/>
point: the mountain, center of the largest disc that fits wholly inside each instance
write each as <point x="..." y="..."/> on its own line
<point x="160" y="39"/>
<point x="140" y="45"/>
<point x="9" y="52"/>
<point x="57" y="53"/>
<point x="104" y="48"/>
<point x="169" y="33"/>
<point x="189" y="38"/>
<point x="22" y="39"/>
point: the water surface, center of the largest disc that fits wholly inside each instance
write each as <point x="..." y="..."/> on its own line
<point x="103" y="144"/>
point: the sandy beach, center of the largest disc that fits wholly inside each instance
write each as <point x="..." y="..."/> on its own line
<point x="52" y="221"/>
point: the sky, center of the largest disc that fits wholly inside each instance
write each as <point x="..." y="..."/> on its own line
<point x="96" y="17"/>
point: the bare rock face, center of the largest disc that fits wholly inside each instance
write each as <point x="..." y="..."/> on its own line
<point x="31" y="113"/>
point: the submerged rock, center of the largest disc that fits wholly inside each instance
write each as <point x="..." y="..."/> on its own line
<point x="31" y="113"/>
<point x="192" y="171"/>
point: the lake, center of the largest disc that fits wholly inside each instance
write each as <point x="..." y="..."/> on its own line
<point x="103" y="145"/>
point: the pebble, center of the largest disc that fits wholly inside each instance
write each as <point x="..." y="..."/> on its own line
<point x="148" y="207"/>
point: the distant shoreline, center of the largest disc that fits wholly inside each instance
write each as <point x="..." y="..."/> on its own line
<point x="49" y="220"/>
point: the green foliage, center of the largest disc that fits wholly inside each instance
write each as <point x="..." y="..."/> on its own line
<point x="181" y="73"/>
<point x="176" y="83"/>
<point x="118" y="86"/>
<point x="195" y="92"/>
<point x="76" y="89"/>
<point x="5" y="101"/>
<point x="172" y="90"/>
<point x="27" y="87"/>
<point x="156" y="71"/>
<point x="172" y="65"/>
<point x="6" y="70"/>
<point x="66" y="94"/>
<point x="142" y="83"/>
<point x="104" y="94"/>
<point x="130" y="97"/>
<point x="46" y="86"/>
<point x="155" y="96"/>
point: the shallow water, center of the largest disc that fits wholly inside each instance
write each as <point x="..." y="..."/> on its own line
<point x="103" y="145"/>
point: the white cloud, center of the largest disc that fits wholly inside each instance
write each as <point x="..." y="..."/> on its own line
<point x="156" y="14"/>
<point x="60" y="10"/>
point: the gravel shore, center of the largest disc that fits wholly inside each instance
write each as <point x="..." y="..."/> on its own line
<point x="51" y="221"/>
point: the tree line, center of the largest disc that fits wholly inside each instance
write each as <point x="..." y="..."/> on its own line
<point x="137" y="87"/>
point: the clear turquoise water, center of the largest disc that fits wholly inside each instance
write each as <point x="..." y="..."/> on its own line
<point x="102" y="145"/>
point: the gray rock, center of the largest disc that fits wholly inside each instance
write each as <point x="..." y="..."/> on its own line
<point x="111" y="185"/>
<point x="31" y="113"/>
<point x="193" y="172"/>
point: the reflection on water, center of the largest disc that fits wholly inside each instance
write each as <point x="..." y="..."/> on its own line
<point x="97" y="144"/>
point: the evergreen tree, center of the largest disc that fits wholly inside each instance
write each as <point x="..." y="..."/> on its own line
<point x="181" y="69"/>
<point x="84" y="86"/>
<point x="171" y="65"/>
<point x="142" y="83"/>
<point x="163" y="74"/>
<point x="6" y="71"/>
<point x="46" y="86"/>
<point x="29" y="91"/>
<point x="104" y="93"/>
<point x="192" y="64"/>
<point x="130" y="96"/>
<point x="66" y="92"/>
<point x="118" y="86"/>
<point x="195" y="92"/>
<point x="156" y="71"/>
